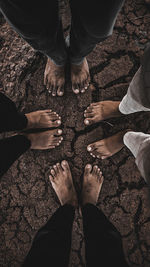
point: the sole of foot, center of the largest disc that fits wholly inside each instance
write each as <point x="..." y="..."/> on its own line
<point x="92" y="184"/>
<point x="80" y="77"/>
<point x="62" y="183"/>
<point x="54" y="78"/>
<point x="100" y="111"/>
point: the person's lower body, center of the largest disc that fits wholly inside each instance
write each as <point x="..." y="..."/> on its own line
<point x="103" y="244"/>
<point x="39" y="24"/>
<point x="52" y="243"/>
<point x="137" y="99"/>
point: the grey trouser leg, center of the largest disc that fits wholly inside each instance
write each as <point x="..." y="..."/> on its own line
<point x="139" y="144"/>
<point x="138" y="94"/>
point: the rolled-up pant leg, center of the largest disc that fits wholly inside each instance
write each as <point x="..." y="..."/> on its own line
<point x="102" y="240"/>
<point x="92" y="22"/>
<point x="38" y="23"/>
<point x="139" y="144"/>
<point x="52" y="243"/>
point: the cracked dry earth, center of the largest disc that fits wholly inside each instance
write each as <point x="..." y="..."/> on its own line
<point x="27" y="200"/>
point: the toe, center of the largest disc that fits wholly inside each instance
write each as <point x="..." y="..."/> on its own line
<point x="54" y="90"/>
<point x="89" y="121"/>
<point x="55" y="123"/>
<point x="56" y="132"/>
<point x="51" y="178"/>
<point x="75" y="89"/>
<point x="95" y="169"/>
<point x="88" y="169"/>
<point x="91" y="147"/>
<point x="53" y="172"/>
<point x="65" y="165"/>
<point x="92" y="154"/>
<point x="59" y="168"/>
<point x="55" y="169"/>
<point x="88" y="115"/>
<point x="60" y="91"/>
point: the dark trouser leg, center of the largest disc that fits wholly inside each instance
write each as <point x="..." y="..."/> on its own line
<point x="10" y="118"/>
<point x="102" y="240"/>
<point x="51" y="245"/>
<point x="10" y="149"/>
<point x="38" y="23"/>
<point x="92" y="22"/>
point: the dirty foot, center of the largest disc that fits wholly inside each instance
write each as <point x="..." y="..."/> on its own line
<point x="101" y="111"/>
<point x="92" y="183"/>
<point x="62" y="183"/>
<point x="107" y="147"/>
<point x="43" y="119"/>
<point x="80" y="77"/>
<point x="54" y="78"/>
<point x="45" y="140"/>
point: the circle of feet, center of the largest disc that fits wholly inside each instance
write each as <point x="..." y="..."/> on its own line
<point x="27" y="200"/>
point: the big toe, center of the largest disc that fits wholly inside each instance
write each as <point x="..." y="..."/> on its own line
<point x="89" y="121"/>
<point x="88" y="169"/>
<point x="60" y="91"/>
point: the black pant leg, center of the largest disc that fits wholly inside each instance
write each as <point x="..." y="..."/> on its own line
<point x="52" y="244"/>
<point x="10" y="118"/>
<point x="102" y="240"/>
<point x="10" y="149"/>
<point x="38" y="23"/>
<point x="92" y="22"/>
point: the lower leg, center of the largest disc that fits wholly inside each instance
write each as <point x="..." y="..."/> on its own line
<point x="100" y="235"/>
<point x="53" y="242"/>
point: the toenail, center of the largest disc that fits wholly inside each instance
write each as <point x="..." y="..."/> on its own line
<point x="86" y="88"/>
<point x="89" y="148"/>
<point x="59" y="131"/>
<point x="86" y="122"/>
<point x="61" y="93"/>
<point x="76" y="91"/>
<point x="82" y="91"/>
<point x="88" y="166"/>
<point x="59" y="117"/>
<point x="59" y="122"/>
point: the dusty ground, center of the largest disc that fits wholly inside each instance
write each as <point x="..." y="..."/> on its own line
<point x="27" y="200"/>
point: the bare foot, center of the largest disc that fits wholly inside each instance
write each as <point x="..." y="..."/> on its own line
<point x="62" y="183"/>
<point x="80" y="77"/>
<point x="92" y="183"/>
<point x="107" y="147"/>
<point x="54" y="78"/>
<point x="45" y="140"/>
<point x="101" y="111"/>
<point x="43" y="119"/>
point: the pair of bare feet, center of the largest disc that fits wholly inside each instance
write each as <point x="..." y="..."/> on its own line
<point x="97" y="112"/>
<point x="62" y="182"/>
<point x="44" y="119"/>
<point x="54" y="78"/>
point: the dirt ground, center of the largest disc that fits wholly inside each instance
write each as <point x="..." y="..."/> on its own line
<point x="27" y="200"/>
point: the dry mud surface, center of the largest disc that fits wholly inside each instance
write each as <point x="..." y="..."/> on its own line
<point x="27" y="200"/>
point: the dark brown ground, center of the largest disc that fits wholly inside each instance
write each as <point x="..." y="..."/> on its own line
<point x="27" y="200"/>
